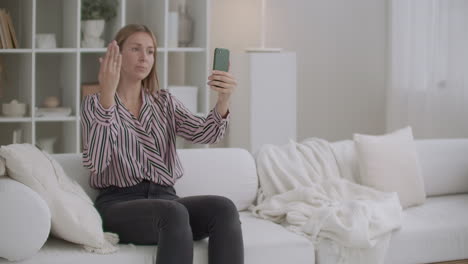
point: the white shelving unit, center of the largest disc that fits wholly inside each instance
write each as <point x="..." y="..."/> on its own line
<point x="32" y="74"/>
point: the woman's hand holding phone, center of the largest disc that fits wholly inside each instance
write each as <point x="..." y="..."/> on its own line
<point x="222" y="82"/>
<point x="109" y="74"/>
<point x="225" y="84"/>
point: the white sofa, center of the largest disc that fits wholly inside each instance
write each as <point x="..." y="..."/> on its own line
<point x="228" y="172"/>
<point x="435" y="231"/>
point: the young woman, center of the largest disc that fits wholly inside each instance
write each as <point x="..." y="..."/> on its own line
<point x="129" y="134"/>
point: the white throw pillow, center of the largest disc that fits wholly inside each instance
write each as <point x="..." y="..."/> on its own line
<point x="74" y="217"/>
<point x="390" y="163"/>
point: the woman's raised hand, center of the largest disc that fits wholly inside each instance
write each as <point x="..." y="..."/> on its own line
<point x="109" y="74"/>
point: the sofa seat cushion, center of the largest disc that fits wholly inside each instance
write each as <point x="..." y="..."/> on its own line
<point x="264" y="243"/>
<point x="432" y="232"/>
<point x="58" y="251"/>
<point x="267" y="243"/>
<point x="435" y="231"/>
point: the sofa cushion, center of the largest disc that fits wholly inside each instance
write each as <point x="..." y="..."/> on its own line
<point x="347" y="160"/>
<point x="57" y="251"/>
<point x="390" y="163"/>
<point x="444" y="165"/>
<point x="73" y="167"/>
<point x="267" y="242"/>
<point x="227" y="172"/>
<point x="435" y="231"/>
<point x="25" y="220"/>
<point x="264" y="242"/>
<point x="74" y="217"/>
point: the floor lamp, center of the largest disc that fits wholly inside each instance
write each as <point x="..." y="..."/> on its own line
<point x="262" y="47"/>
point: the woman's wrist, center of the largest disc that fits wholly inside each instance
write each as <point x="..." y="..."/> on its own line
<point x="107" y="99"/>
<point x="222" y="106"/>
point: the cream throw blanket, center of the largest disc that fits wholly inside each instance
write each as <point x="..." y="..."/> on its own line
<point x="301" y="188"/>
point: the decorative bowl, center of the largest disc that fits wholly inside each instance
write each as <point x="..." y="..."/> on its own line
<point x="14" y="109"/>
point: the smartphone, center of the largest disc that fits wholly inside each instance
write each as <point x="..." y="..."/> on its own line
<point x="221" y="60"/>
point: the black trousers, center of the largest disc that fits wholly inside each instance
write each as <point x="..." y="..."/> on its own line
<point x="151" y="214"/>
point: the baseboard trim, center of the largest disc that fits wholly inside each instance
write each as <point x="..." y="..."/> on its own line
<point x="462" y="261"/>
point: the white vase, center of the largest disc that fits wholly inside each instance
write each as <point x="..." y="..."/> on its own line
<point x="185" y="28"/>
<point x="92" y="31"/>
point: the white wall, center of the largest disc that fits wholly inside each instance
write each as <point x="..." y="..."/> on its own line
<point x="341" y="51"/>
<point x="235" y="25"/>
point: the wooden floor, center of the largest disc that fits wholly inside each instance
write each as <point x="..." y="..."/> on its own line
<point x="463" y="261"/>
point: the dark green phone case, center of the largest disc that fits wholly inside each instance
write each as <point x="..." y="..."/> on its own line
<point x="221" y="60"/>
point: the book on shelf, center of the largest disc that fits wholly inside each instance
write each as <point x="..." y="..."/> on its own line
<point x="12" y="31"/>
<point x="5" y="31"/>
<point x="2" y="35"/>
<point x="2" y="80"/>
<point x="8" y="38"/>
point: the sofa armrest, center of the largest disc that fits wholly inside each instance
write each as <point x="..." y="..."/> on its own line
<point x="25" y="220"/>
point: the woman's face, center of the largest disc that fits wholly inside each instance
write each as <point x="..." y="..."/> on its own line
<point x="137" y="56"/>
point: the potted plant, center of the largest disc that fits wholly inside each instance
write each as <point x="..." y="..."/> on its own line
<point x="94" y="14"/>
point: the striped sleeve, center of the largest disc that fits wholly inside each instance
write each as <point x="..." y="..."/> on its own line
<point x="99" y="132"/>
<point x="197" y="129"/>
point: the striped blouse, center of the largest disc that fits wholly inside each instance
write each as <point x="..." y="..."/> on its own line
<point x="122" y="150"/>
